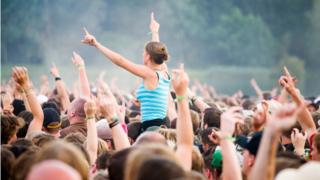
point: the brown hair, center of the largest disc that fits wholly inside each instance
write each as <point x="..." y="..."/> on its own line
<point x="42" y="139"/>
<point x="197" y="161"/>
<point x="23" y="164"/>
<point x="157" y="51"/>
<point x="67" y="153"/>
<point x="143" y="159"/>
<point x="316" y="141"/>
<point x="9" y="127"/>
<point x="75" y="138"/>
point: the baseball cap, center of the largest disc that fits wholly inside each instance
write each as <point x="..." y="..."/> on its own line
<point x="250" y="144"/>
<point x="51" y="118"/>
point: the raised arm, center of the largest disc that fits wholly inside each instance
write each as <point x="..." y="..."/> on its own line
<point x="180" y="82"/>
<point x="154" y="28"/>
<point x="108" y="110"/>
<point x="256" y="88"/>
<point x="197" y="101"/>
<point x="83" y="79"/>
<point x="283" y="118"/>
<point x="230" y="166"/>
<point x="92" y="136"/>
<point x="61" y="89"/>
<point x="136" y="69"/>
<point x="20" y="76"/>
<point x="304" y="117"/>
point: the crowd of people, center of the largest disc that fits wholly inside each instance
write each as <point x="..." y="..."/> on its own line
<point x="167" y="128"/>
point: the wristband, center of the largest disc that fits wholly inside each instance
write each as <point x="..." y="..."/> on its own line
<point x="26" y="91"/>
<point x="180" y="98"/>
<point x="79" y="66"/>
<point x="114" y="123"/>
<point x="89" y="117"/>
<point x="57" y="78"/>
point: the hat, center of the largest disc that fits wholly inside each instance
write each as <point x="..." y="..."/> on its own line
<point x="309" y="170"/>
<point x="252" y="144"/>
<point x="51" y="118"/>
<point x="18" y="106"/>
<point x="103" y="130"/>
<point x="217" y="158"/>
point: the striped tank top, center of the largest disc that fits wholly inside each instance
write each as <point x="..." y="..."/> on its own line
<point x="154" y="103"/>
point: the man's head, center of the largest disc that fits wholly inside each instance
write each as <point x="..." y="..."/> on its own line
<point x="9" y="127"/>
<point x="250" y="152"/>
<point x="150" y="137"/>
<point x="76" y="111"/>
<point x="51" y="123"/>
<point x="53" y="169"/>
<point x="211" y="117"/>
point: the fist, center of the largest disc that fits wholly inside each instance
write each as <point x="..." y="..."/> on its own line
<point x="77" y="59"/>
<point x="20" y="76"/>
<point x="54" y="71"/>
<point x="90" y="108"/>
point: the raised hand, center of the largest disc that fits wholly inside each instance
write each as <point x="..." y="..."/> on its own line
<point x="215" y="136"/>
<point x="54" y="71"/>
<point x="283" y="117"/>
<point x="90" y="108"/>
<point x="154" y="25"/>
<point x="298" y="140"/>
<point x="288" y="82"/>
<point x="180" y="81"/>
<point x="108" y="108"/>
<point x="229" y="120"/>
<point x="88" y="38"/>
<point x="20" y="76"/>
<point x="77" y="60"/>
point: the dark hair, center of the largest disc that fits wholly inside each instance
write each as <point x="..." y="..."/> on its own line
<point x="157" y="51"/>
<point x="7" y="160"/>
<point x="103" y="160"/>
<point x="212" y="117"/>
<point x="27" y="116"/>
<point x="22" y="142"/>
<point x="117" y="164"/>
<point x="9" y="127"/>
<point x="204" y="134"/>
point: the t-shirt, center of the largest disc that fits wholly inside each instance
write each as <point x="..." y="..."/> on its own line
<point x="73" y="128"/>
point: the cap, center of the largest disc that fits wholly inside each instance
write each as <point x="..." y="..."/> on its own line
<point x="51" y="118"/>
<point x="252" y="144"/>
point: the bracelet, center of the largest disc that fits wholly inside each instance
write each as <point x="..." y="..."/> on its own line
<point x="79" y="66"/>
<point x="57" y="78"/>
<point x="89" y="117"/>
<point x="114" y="123"/>
<point x="26" y="91"/>
<point x="180" y="98"/>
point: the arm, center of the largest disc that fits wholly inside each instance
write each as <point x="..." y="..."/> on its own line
<point x="108" y="109"/>
<point x="304" y="117"/>
<point x="20" y="75"/>
<point x="197" y="101"/>
<point x="282" y="118"/>
<point x="138" y="70"/>
<point x="230" y="166"/>
<point x="257" y="89"/>
<point x="83" y="79"/>
<point x="154" y="28"/>
<point x="184" y="125"/>
<point x="92" y="135"/>
<point x="61" y="89"/>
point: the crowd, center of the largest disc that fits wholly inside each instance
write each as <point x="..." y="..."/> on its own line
<point x="167" y="128"/>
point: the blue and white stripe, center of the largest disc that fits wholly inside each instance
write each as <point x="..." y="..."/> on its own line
<point x="154" y="103"/>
